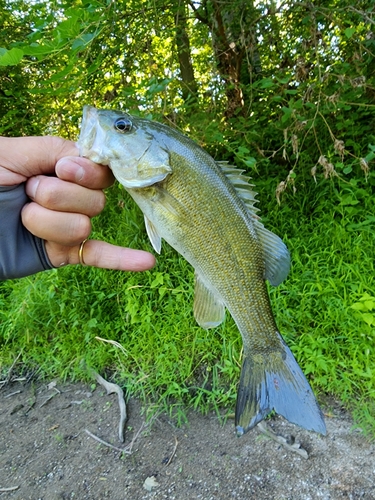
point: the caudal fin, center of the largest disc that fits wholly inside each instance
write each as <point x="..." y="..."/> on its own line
<point x="276" y="382"/>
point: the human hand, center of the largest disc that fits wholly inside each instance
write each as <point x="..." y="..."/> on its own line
<point x="65" y="192"/>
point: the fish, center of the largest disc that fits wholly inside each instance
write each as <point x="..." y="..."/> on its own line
<point x="206" y="211"/>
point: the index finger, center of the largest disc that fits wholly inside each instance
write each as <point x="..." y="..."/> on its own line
<point x="24" y="157"/>
<point x="104" y="255"/>
<point x="100" y="254"/>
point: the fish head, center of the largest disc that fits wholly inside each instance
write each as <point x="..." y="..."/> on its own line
<point x="127" y="144"/>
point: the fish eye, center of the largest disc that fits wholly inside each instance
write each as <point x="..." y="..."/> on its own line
<point x="123" y="125"/>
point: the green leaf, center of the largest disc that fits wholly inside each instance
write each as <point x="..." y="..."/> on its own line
<point x="370" y="304"/>
<point x="69" y="28"/>
<point x="159" y="280"/>
<point x="83" y="40"/>
<point x="242" y="150"/>
<point x="369" y="318"/>
<point x="36" y="49"/>
<point x="10" y="57"/>
<point x="287" y="114"/>
<point x="250" y="162"/>
<point x="266" y="83"/>
<point x="284" y="80"/>
<point x="349" y="32"/>
<point x="358" y="306"/>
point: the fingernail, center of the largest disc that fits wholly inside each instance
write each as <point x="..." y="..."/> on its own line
<point x="80" y="174"/>
<point x="32" y="186"/>
<point x="69" y="169"/>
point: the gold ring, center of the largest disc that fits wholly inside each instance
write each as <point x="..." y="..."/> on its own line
<point x="80" y="252"/>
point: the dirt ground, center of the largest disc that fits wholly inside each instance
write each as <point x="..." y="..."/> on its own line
<point x="46" y="453"/>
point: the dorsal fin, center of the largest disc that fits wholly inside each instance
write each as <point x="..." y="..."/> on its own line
<point x="242" y="185"/>
<point x="276" y="254"/>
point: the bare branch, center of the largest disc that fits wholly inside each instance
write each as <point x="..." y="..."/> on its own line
<point x="114" y="388"/>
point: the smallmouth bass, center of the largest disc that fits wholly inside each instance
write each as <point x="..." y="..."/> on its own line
<point x="205" y="210"/>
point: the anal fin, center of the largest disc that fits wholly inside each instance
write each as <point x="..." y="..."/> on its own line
<point x="209" y="311"/>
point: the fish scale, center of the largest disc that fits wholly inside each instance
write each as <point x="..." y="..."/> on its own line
<point x="253" y="310"/>
<point x="205" y="210"/>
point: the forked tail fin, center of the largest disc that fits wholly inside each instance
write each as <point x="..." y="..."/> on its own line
<point x="276" y="382"/>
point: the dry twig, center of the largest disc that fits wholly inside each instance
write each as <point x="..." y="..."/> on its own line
<point x="129" y="448"/>
<point x="109" y="445"/>
<point x="111" y="388"/>
<point x="295" y="446"/>
<point x="173" y="452"/>
<point x="50" y="397"/>
<point x="12" y="394"/>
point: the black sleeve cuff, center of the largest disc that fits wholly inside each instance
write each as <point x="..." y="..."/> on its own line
<point x="21" y="253"/>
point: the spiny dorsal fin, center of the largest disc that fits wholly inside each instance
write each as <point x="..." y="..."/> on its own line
<point x="241" y="183"/>
<point x="276" y="254"/>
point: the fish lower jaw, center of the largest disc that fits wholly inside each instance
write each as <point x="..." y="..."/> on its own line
<point x="97" y="157"/>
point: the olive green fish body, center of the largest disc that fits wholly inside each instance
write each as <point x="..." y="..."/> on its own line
<point x="205" y="211"/>
<point x="212" y="229"/>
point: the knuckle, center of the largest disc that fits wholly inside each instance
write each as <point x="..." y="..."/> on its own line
<point x="81" y="227"/>
<point x="47" y="194"/>
<point x="28" y="214"/>
<point x="100" y="203"/>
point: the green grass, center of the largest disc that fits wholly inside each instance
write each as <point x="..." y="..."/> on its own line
<point x="325" y="309"/>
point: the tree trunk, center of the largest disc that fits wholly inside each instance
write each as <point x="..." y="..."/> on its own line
<point x="188" y="84"/>
<point x="233" y="25"/>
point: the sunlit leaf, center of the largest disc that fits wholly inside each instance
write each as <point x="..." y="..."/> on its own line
<point x="11" y="57"/>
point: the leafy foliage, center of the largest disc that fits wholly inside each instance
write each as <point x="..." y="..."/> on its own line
<point x="286" y="90"/>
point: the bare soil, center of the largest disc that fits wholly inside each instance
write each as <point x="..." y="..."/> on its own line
<point x="45" y="453"/>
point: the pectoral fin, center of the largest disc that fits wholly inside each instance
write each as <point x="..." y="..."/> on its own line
<point x="154" y="236"/>
<point x="209" y="311"/>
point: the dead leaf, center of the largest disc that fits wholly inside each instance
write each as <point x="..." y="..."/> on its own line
<point x="150" y="483"/>
<point x="54" y="427"/>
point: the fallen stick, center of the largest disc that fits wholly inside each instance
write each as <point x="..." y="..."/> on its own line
<point x="48" y="399"/>
<point x="114" y="388"/>
<point x="173" y="452"/>
<point x="12" y="394"/>
<point x="294" y="446"/>
<point x="109" y="445"/>
<point x="129" y="447"/>
<point x="12" y="488"/>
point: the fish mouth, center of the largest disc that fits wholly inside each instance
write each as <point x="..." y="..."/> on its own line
<point x="88" y="125"/>
<point x="91" y="137"/>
